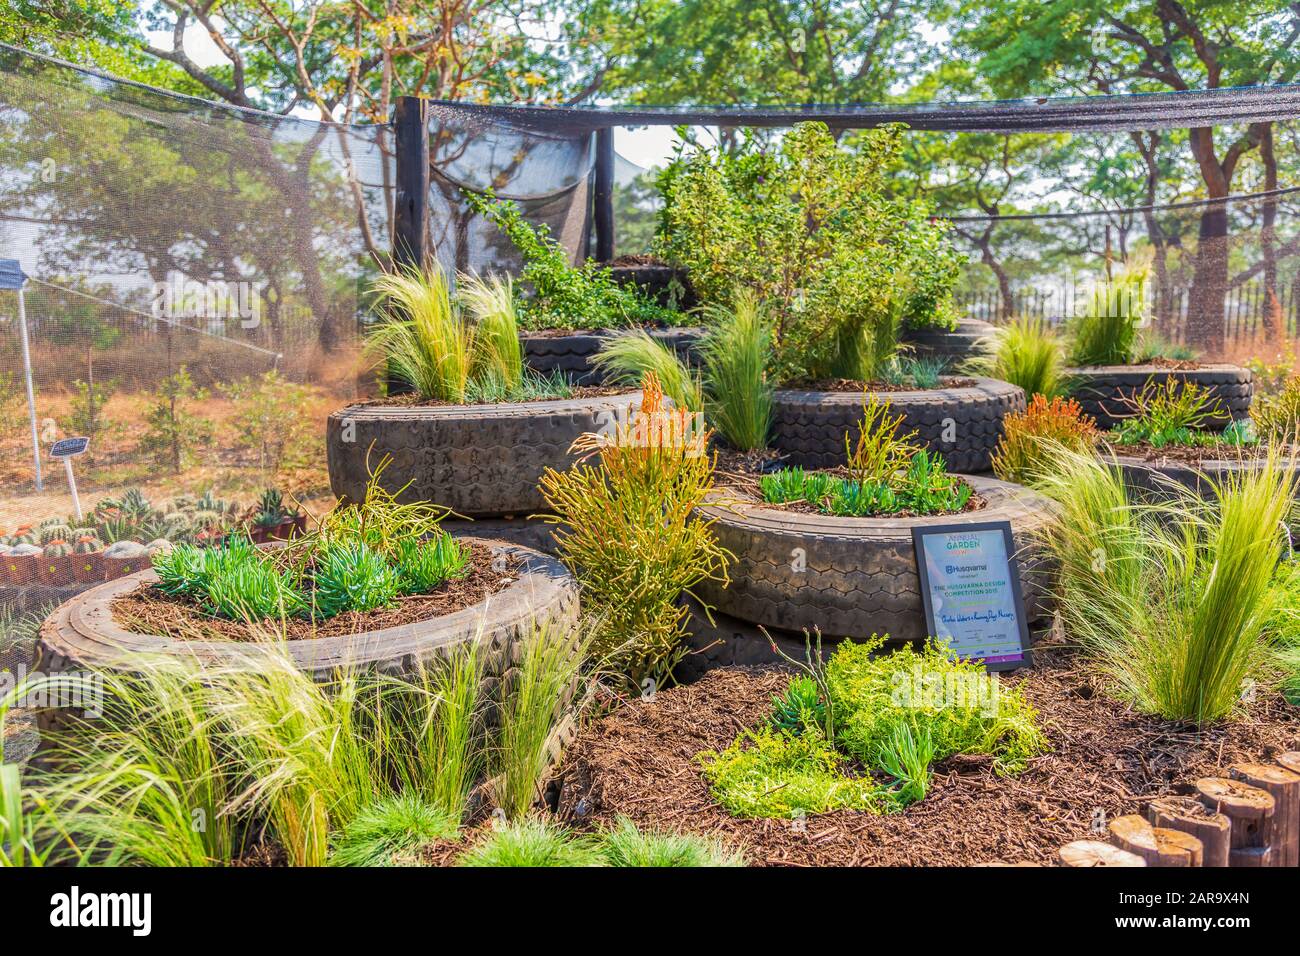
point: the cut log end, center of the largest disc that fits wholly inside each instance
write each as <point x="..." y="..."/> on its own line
<point x="1095" y="853"/>
<point x="1159" y="846"/>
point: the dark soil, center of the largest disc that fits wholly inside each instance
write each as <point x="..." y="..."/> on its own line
<point x="147" y="610"/>
<point x="1106" y="761"/>
<point x="849" y="385"/>
<point x="640" y="259"/>
<point x="411" y="400"/>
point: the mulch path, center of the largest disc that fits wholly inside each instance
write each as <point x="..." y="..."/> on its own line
<point x="1106" y="761"/>
<point x="147" y="610"/>
<point x="1188" y="454"/>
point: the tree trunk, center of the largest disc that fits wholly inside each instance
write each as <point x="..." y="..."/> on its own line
<point x="1210" y="282"/>
<point x="1272" y="306"/>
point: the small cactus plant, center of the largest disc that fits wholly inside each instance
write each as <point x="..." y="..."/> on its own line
<point x="88" y="544"/>
<point x="54" y="532"/>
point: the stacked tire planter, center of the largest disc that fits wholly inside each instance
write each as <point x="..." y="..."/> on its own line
<point x="854" y="577"/>
<point x="961" y="422"/>
<point x="953" y="346"/>
<point x="1104" y="391"/>
<point x="83" y="633"/>
<point x="477" y="460"/>
<point x="571" y="353"/>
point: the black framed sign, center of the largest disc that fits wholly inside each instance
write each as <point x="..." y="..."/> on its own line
<point x="970" y="585"/>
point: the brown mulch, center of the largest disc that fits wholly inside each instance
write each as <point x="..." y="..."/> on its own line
<point x="147" y="610"/>
<point x="851" y="385"/>
<point x="1106" y="761"/>
<point x="1186" y="454"/>
<point x="1177" y="365"/>
<point x="411" y="400"/>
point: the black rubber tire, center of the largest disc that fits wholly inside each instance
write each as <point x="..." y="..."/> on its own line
<point x="1101" y="390"/>
<point x="82" y="634"/>
<point x="477" y="460"/>
<point x="952" y="345"/>
<point x="859" y="575"/>
<point x="572" y="354"/>
<point x="810" y="426"/>
<point x="1159" y="481"/>
<point x="656" y="281"/>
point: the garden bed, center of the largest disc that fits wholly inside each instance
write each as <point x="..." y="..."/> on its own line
<point x="961" y="421"/>
<point x="570" y="353"/>
<point x="952" y="346"/>
<point x="477" y="460"/>
<point x="88" y="632"/>
<point x="1106" y="761"/>
<point x="1106" y="392"/>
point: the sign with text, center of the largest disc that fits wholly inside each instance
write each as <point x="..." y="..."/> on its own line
<point x="69" y="447"/>
<point x="970" y="584"/>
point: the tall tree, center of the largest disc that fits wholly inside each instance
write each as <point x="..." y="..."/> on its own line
<point x="1115" y="46"/>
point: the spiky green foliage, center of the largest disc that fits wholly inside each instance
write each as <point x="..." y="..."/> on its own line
<point x="628" y="357"/>
<point x="1276" y="417"/>
<point x="390" y="832"/>
<point x="498" y="355"/>
<point x="1028" y="437"/>
<point x="795" y="484"/>
<point x="1106" y="333"/>
<point x="540" y="688"/>
<point x="736" y="354"/>
<point x="881" y="451"/>
<point x="1027" y="353"/>
<point x="625" y="845"/>
<point x="533" y="841"/>
<point x="422" y="566"/>
<point x="925" y="487"/>
<point x="351" y="577"/>
<point x="1171" y="412"/>
<point x="1173" y="602"/>
<point x="800" y="706"/>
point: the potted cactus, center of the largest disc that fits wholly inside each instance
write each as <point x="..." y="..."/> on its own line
<point x="88" y="563"/>
<point x="124" y="557"/>
<point x="55" y="569"/>
<point x="24" y="556"/>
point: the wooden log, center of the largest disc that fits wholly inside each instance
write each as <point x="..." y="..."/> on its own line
<point x="1156" y="845"/>
<point x="1283" y="835"/>
<point x="1250" y="810"/>
<point x="1188" y="814"/>
<point x="1290" y="760"/>
<point x="1250" y="856"/>
<point x="1095" y="853"/>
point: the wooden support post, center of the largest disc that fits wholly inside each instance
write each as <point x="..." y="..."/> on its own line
<point x="1284" y="786"/>
<point x="1188" y="814"/>
<point x="1083" y="853"/>
<point x="411" y="212"/>
<point x="603" y="195"/>
<point x="1249" y="809"/>
<point x="1156" y="845"/>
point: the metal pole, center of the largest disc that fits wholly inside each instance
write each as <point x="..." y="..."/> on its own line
<point x="72" y="487"/>
<point x="31" y="394"/>
<point x="603" y="195"/>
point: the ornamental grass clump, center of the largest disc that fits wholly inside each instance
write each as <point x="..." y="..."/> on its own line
<point x="1106" y="333"/>
<point x="1027" y="353"/>
<point x="1175" y="603"/>
<point x="627" y="532"/>
<point x="457" y="345"/>
<point x="1024" y="450"/>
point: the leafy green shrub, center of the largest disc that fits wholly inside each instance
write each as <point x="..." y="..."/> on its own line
<point x="625" y="845"/>
<point x="774" y="773"/>
<point x="390" y="831"/>
<point x="629" y="536"/>
<point x="812" y="230"/>
<point x="1107" y="332"/>
<point x="270" y="419"/>
<point x="1025" y="353"/>
<point x="1029" y="437"/>
<point x="534" y="842"/>
<point x="86" y="416"/>
<point x="1174" y="603"/>
<point x="565" y="296"/>
<point x="927" y="701"/>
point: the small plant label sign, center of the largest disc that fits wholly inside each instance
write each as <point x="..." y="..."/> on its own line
<point x="970" y="586"/>
<point x="69" y="447"/>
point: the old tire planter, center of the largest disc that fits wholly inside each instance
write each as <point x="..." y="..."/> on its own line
<point x="954" y="346"/>
<point x="858" y="575"/>
<point x="477" y="460"/>
<point x="1159" y="481"/>
<point x="961" y="423"/>
<point x="1102" y="390"/>
<point x="82" y="634"/>
<point x="656" y="282"/>
<point x="571" y="354"/>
